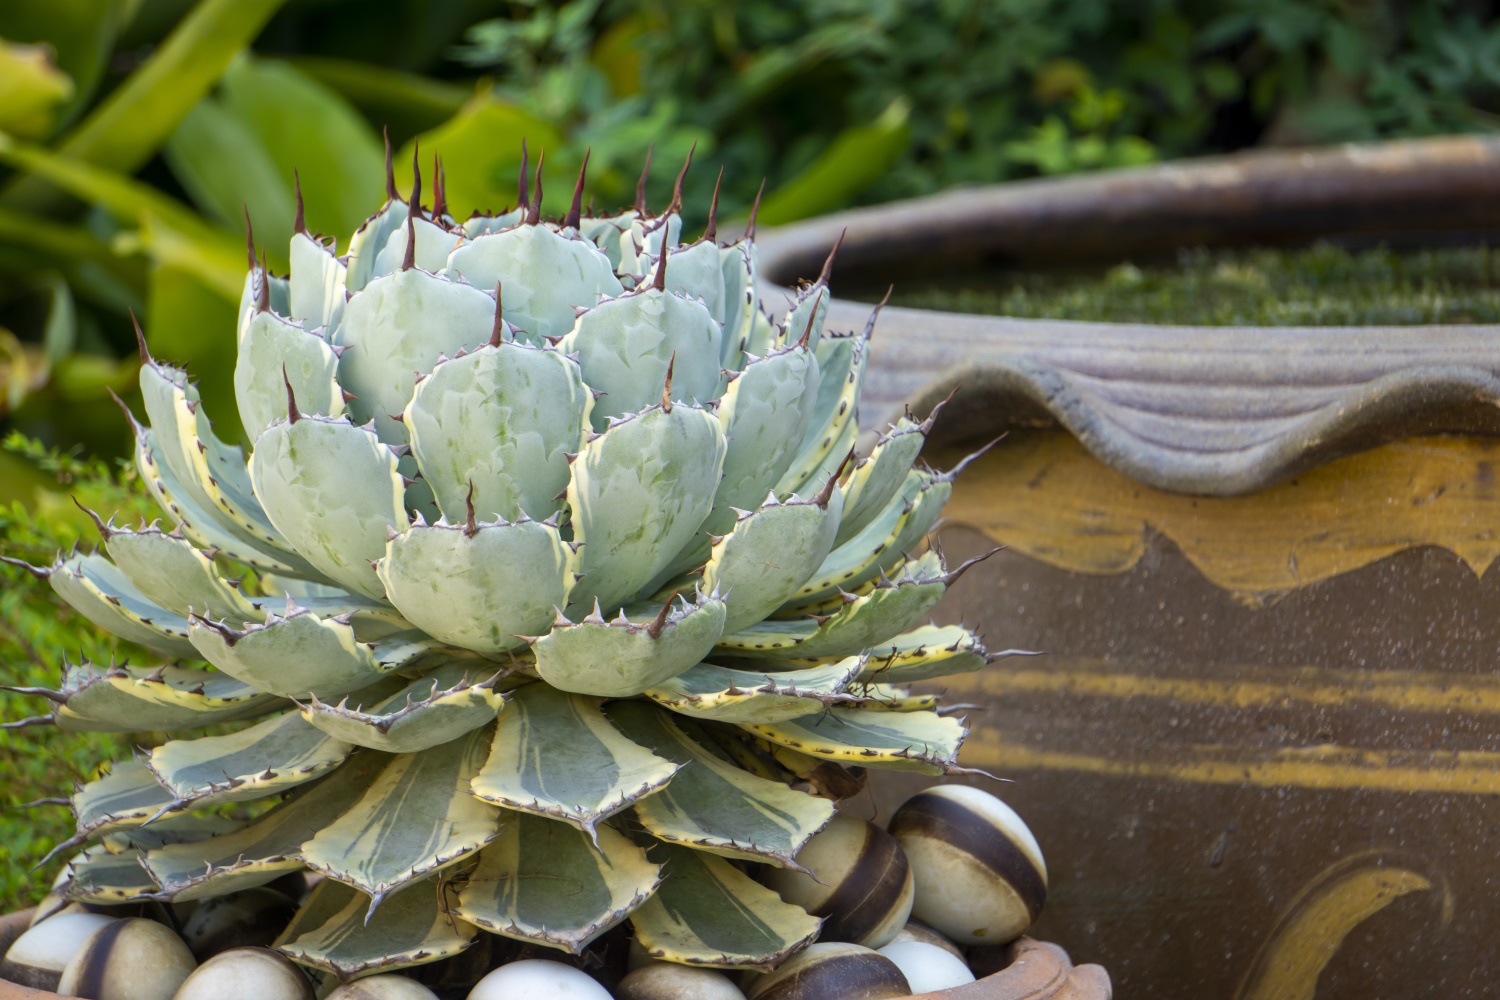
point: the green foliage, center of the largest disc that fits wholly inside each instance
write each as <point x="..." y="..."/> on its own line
<point x="37" y="633"/>
<point x="1322" y="286"/>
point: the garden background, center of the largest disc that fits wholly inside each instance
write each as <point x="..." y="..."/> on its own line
<point x="135" y="136"/>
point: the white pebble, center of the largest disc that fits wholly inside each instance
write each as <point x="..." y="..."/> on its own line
<point x="387" y="986"/>
<point x="927" y="967"/>
<point x="246" y="974"/>
<point x="38" y="957"/>
<point x="134" y="959"/>
<point x="538" y="979"/>
<point x="670" y="981"/>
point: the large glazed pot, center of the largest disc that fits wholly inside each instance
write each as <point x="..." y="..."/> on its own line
<point x="1032" y="970"/>
<point x="1261" y="751"/>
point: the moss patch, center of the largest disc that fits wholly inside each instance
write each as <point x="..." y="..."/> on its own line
<point x="1320" y="286"/>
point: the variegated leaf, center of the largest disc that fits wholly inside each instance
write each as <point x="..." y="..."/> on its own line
<point x="335" y="931"/>
<point x="622" y="658"/>
<point x="709" y="913"/>
<point x="97" y="589"/>
<point x="315" y="286"/>
<point x="547" y="882"/>
<point x="555" y="755"/>
<point x="264" y="759"/>
<point x="97" y="876"/>
<point x="171" y="573"/>
<point x="874" y="481"/>
<point x="769" y="554"/>
<point x="902" y="741"/>
<point x="927" y="652"/>
<point x="436" y="708"/>
<point x="417" y="816"/>
<point x="725" y="694"/>
<point x="269" y="846"/>
<point x="863" y="623"/>
<point x="842" y="369"/>
<point x="274" y="354"/>
<point x="302" y="654"/>
<point x="125" y="699"/>
<point x="125" y="797"/>
<point x="714" y="806"/>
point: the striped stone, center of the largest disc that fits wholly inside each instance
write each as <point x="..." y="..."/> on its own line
<point x="980" y="877"/>
<point x="832" y="971"/>
<point x="862" y="886"/>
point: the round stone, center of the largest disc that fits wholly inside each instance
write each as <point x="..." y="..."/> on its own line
<point x="670" y="981"/>
<point x="251" y="918"/>
<point x="134" y="959"/>
<point x="387" y="986"/>
<point x="861" y="883"/>
<point x="538" y="979"/>
<point x="927" y="967"/>
<point x="915" y="930"/>
<point x="980" y="877"/>
<point x="246" y="972"/>
<point x="832" y="970"/>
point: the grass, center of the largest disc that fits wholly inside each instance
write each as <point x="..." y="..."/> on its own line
<point x="37" y="631"/>
<point x="1320" y="286"/>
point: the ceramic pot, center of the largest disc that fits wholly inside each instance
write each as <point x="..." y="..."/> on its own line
<point x="1036" y="971"/>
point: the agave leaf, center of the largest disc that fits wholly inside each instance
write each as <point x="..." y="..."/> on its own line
<point x="97" y="589"/>
<point x="863" y="623"/>
<point x="335" y="931"/>
<point x="137" y="699"/>
<point x="548" y="882"/>
<point x="199" y="463"/>
<point x="416" y="817"/>
<point x="195" y="520"/>
<point x="125" y="797"/>
<point x="274" y="354"/>
<point x="434" y="244"/>
<point x="302" y="654"/>
<point x="769" y="554"/>
<point x="263" y="759"/>
<point x="482" y="587"/>
<point x="725" y="694"/>
<point x="97" y="876"/>
<point x="397" y="326"/>
<point x="480" y="225"/>
<point x="500" y="421"/>
<point x="315" y="286"/>
<point x="555" y="755"/>
<point x="841" y="375"/>
<point x="923" y="565"/>
<point x="901" y="524"/>
<point x="878" y="697"/>
<point x="642" y="241"/>
<point x="367" y="242"/>
<point x="737" y="266"/>
<point x="638" y="494"/>
<point x="924" y="653"/>
<point x="545" y="276"/>
<point x="902" y="741"/>
<point x="696" y="271"/>
<point x="434" y="709"/>
<point x="766" y="412"/>
<point x="714" y="806"/>
<point x="624" y="346"/>
<point x="171" y="573"/>
<point x="806" y="315"/>
<point x="267" y="847"/>
<point x="622" y="658"/>
<point x="874" y="481"/>
<point x="761" y="336"/>
<point x="709" y="913"/>
<point x="187" y="829"/>
<point x="334" y="491"/>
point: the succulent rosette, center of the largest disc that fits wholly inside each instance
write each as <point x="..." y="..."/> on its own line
<point x="550" y="593"/>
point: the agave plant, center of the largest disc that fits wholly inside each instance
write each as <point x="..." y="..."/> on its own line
<point x="552" y="594"/>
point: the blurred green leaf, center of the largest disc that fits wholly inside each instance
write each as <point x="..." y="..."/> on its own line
<point x="305" y="126"/>
<point x="61" y="331"/>
<point x="80" y="32"/>
<point x="225" y="168"/>
<point x="31" y="89"/>
<point x="404" y="102"/>
<point x="857" y="158"/>
<point x="481" y="151"/>
<point x="42" y="241"/>
<point x="130" y="125"/>
<point x="169" y="231"/>
<point x="189" y="321"/>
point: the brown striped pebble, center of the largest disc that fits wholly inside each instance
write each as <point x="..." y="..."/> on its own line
<point x="979" y="872"/>
<point x="669" y="981"/>
<point x="251" y="918"/>
<point x="245" y="973"/>
<point x="38" y="957"/>
<point x="832" y="970"/>
<point x="383" y="987"/>
<point x="135" y="959"/>
<point x="866" y="886"/>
